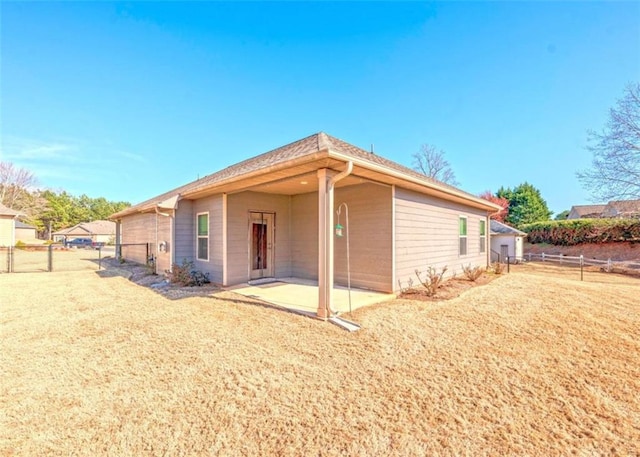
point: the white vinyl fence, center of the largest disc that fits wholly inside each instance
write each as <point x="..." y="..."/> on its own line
<point x="605" y="265"/>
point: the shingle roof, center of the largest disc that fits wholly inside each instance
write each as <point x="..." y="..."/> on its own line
<point x="498" y="228"/>
<point x="22" y="225"/>
<point x="306" y="146"/>
<point x="623" y="207"/>
<point x="4" y="211"/>
<point x="588" y="210"/>
<point x="90" y="228"/>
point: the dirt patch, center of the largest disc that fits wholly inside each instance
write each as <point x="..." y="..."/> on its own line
<point x="450" y="288"/>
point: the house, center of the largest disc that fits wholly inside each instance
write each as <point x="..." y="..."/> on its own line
<point x="506" y="241"/>
<point x="613" y="209"/>
<point x="622" y="209"/>
<point x="100" y="231"/>
<point x="586" y="211"/>
<point x="25" y="233"/>
<point x="7" y="226"/>
<point x="273" y="216"/>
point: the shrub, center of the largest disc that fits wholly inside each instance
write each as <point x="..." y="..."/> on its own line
<point x="432" y="280"/>
<point x="472" y="273"/>
<point x="408" y="288"/>
<point x="186" y="275"/>
<point x="497" y="267"/>
<point x="577" y="231"/>
<point x="21" y="244"/>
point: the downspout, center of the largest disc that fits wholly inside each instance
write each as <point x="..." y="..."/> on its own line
<point x="341" y="175"/>
<point x="332" y="181"/>
<point x="157" y="250"/>
<point x="155" y="255"/>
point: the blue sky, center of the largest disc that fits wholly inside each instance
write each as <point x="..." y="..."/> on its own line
<point x="128" y="100"/>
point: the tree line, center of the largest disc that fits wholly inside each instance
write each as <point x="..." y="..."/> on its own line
<point x="49" y="209"/>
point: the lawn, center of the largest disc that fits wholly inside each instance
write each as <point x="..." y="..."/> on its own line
<point x="529" y="364"/>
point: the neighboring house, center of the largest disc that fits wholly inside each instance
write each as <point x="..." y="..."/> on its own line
<point x="622" y="209"/>
<point x="274" y="215"/>
<point x="506" y="242"/>
<point x="586" y="211"/>
<point x="7" y="226"/>
<point x="613" y="209"/>
<point x="101" y="231"/>
<point x="25" y="233"/>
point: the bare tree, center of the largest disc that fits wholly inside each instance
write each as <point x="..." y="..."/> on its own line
<point x="18" y="191"/>
<point x="430" y="161"/>
<point x="15" y="184"/>
<point x="615" y="168"/>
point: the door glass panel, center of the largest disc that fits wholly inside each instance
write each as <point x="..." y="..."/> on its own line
<point x="259" y="245"/>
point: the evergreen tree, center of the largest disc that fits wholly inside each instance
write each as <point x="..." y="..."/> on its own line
<point x="526" y="205"/>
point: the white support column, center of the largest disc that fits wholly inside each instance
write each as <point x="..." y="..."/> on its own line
<point x="325" y="242"/>
<point x="225" y="270"/>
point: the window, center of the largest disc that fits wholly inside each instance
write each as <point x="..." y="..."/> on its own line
<point x="483" y="236"/>
<point x="463" y="235"/>
<point x="202" y="233"/>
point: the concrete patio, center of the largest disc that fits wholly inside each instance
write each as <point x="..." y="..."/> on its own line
<point x="301" y="295"/>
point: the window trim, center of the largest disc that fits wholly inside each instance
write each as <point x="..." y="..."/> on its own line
<point x="198" y="236"/>
<point x="483" y="237"/>
<point x="465" y="236"/>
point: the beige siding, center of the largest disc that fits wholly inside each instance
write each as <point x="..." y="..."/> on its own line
<point x="25" y="234"/>
<point x="105" y="238"/>
<point x="214" y="266"/>
<point x="304" y="236"/>
<point x="140" y="229"/>
<point x="238" y="208"/>
<point x="370" y="231"/>
<point x="426" y="234"/>
<point x="7" y="234"/>
<point x="184" y="232"/>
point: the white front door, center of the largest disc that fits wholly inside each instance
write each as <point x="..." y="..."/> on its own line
<point x="261" y="245"/>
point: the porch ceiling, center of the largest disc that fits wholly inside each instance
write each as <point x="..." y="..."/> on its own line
<point x="276" y="174"/>
<point x="301" y="184"/>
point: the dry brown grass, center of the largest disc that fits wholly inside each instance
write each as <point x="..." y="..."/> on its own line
<point x="529" y="364"/>
<point x="28" y="260"/>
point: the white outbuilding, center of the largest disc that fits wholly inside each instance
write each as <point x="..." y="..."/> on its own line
<point x="506" y="241"/>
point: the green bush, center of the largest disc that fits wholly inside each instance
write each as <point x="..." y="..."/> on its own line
<point x="21" y="244"/>
<point x="577" y="231"/>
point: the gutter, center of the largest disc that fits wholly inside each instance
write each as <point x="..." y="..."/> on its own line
<point x="342" y="174"/>
<point x="400" y="175"/>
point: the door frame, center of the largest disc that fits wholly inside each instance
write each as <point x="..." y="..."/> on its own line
<point x="270" y="219"/>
